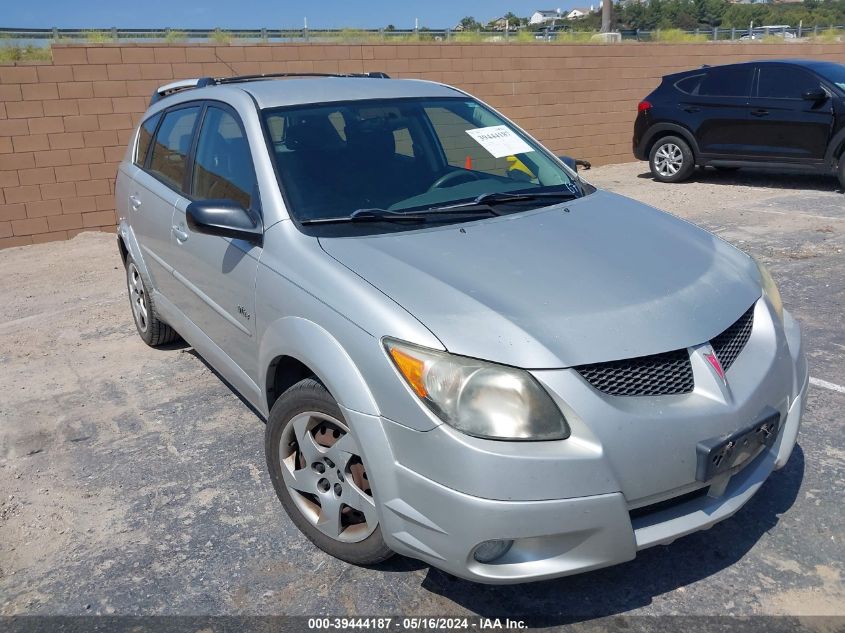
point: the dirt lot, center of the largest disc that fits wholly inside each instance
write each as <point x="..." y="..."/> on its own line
<point x="132" y="480"/>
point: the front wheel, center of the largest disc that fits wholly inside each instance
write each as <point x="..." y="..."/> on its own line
<point x="319" y="476"/>
<point x="671" y="159"/>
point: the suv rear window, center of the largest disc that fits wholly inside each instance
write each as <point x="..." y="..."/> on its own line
<point x="727" y="81"/>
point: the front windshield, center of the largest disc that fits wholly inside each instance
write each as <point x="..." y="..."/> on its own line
<point x="403" y="154"/>
<point x="833" y="72"/>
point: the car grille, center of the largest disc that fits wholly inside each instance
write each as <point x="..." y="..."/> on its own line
<point x="668" y="373"/>
<point x="656" y="375"/>
<point x="729" y="343"/>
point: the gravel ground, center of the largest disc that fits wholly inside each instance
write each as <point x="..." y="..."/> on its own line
<point x="132" y="480"/>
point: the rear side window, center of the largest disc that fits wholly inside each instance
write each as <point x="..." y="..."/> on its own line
<point x="689" y="85"/>
<point x="727" y="81"/>
<point x="173" y="140"/>
<point x="145" y="137"/>
<point x="223" y="165"/>
<point x="784" y="82"/>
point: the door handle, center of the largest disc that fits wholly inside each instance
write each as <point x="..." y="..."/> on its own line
<point x="135" y="201"/>
<point x="181" y="235"/>
<point x="759" y="112"/>
<point x="692" y="109"/>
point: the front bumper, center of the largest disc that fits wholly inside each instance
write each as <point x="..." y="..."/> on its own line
<point x="438" y="507"/>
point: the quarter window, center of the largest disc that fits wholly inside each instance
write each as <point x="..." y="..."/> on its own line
<point x="689" y="85"/>
<point x="223" y="166"/>
<point x="783" y="82"/>
<point x="173" y="140"/>
<point x="145" y="137"/>
<point x="727" y="81"/>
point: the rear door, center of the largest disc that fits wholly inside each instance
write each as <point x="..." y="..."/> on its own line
<point x="155" y="190"/>
<point x="718" y="111"/>
<point x="786" y="126"/>
<point x="217" y="274"/>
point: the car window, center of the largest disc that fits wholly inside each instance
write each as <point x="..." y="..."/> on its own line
<point x="689" y="85"/>
<point x="170" y="149"/>
<point x="832" y="72"/>
<point x="727" y="81"/>
<point x="145" y="137"/>
<point x="401" y="154"/>
<point x="784" y="82"/>
<point x="223" y="167"/>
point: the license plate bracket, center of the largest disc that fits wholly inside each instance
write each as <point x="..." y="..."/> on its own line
<point x="721" y="454"/>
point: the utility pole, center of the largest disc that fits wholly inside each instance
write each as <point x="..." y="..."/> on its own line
<point x="606" y="10"/>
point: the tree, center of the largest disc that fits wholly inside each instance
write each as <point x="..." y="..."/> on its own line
<point x="469" y="23"/>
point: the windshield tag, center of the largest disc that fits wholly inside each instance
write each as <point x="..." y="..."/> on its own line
<point x="499" y="140"/>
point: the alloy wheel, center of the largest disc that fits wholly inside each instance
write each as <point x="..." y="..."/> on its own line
<point x="325" y="476"/>
<point x="668" y="160"/>
<point x="138" y="297"/>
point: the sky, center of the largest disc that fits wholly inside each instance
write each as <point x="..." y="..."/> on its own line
<point x="99" y="14"/>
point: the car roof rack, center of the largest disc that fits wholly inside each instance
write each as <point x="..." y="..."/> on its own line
<point x="202" y="82"/>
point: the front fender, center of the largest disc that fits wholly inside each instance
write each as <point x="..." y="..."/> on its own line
<point x="313" y="346"/>
<point x="835" y="144"/>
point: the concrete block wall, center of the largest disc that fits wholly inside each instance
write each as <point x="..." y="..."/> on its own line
<point x="64" y="125"/>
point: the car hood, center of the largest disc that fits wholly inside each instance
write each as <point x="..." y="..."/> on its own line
<point x="596" y="279"/>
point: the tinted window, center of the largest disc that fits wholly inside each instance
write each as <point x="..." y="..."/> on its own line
<point x="729" y="81"/>
<point x="145" y="137"/>
<point x="223" y="166"/>
<point x="172" y="142"/>
<point x="400" y="155"/>
<point x="783" y="82"/>
<point x="832" y="72"/>
<point x="689" y="85"/>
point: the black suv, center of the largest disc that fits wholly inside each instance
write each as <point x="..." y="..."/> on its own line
<point x="787" y="114"/>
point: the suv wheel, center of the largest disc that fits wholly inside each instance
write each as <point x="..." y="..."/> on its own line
<point x="671" y="159"/>
<point x="150" y="327"/>
<point x="316" y="468"/>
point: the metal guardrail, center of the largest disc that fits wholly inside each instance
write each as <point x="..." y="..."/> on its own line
<point x="46" y="36"/>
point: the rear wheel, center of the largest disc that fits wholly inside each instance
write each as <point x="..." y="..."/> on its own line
<point x="151" y="328"/>
<point x="316" y="468"/>
<point x="671" y="159"/>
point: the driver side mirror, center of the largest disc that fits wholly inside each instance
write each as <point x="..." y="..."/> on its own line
<point x="816" y="94"/>
<point x="225" y="218"/>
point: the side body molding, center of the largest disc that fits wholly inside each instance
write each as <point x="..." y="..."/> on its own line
<point x="313" y="346"/>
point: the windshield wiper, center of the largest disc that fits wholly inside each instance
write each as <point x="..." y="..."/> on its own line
<point x="384" y="215"/>
<point x="492" y="198"/>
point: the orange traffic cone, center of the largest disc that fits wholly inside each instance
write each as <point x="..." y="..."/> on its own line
<point x="468" y="162"/>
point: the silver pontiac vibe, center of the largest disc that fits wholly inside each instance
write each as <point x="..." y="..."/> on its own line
<point x="464" y="352"/>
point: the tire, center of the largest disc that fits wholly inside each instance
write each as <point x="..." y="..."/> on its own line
<point x="841" y="172"/>
<point x="319" y="477"/>
<point x="671" y="159"/>
<point x="152" y="330"/>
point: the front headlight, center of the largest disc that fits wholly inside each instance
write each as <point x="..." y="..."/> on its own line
<point x="479" y="398"/>
<point x="770" y="289"/>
